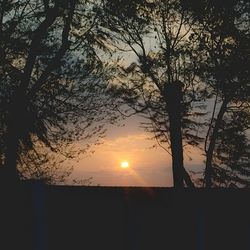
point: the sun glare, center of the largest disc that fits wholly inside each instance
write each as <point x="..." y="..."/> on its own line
<point x="124" y="164"/>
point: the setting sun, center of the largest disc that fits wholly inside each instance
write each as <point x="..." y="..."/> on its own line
<point x="124" y="164"/>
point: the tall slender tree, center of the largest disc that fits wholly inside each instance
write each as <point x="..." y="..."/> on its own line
<point x="223" y="53"/>
<point x="160" y="82"/>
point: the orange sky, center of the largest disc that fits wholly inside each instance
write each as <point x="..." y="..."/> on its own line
<point x="148" y="166"/>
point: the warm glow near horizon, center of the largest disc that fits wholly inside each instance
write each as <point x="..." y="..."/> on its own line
<point x="145" y="165"/>
<point x="124" y="164"/>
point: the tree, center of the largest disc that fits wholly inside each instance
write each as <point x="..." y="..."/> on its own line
<point x="232" y="151"/>
<point x="223" y="41"/>
<point x="53" y="84"/>
<point x="160" y="83"/>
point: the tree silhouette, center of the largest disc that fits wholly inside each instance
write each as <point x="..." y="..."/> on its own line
<point x="57" y="73"/>
<point x="232" y="151"/>
<point x="223" y="39"/>
<point x="53" y="84"/>
<point x="160" y="83"/>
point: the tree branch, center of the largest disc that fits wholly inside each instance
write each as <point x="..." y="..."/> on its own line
<point x="51" y="16"/>
<point x="55" y="62"/>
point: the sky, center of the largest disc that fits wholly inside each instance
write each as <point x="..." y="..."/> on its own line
<point x="148" y="165"/>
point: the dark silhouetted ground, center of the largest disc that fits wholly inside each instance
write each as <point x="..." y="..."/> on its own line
<point x="41" y="217"/>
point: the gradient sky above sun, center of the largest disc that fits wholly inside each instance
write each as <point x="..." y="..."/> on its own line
<point x="129" y="144"/>
<point x="147" y="166"/>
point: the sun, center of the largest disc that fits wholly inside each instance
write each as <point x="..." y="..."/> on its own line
<point x="124" y="164"/>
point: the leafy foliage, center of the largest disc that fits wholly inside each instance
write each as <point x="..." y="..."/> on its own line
<point x="222" y="38"/>
<point x="53" y="84"/>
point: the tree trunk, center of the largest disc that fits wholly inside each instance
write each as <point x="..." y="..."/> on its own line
<point x="173" y="98"/>
<point x="211" y="147"/>
<point x="187" y="179"/>
<point x="11" y="155"/>
<point x="14" y="128"/>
